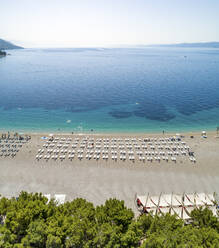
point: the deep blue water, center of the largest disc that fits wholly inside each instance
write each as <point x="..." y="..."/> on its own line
<point x="110" y="90"/>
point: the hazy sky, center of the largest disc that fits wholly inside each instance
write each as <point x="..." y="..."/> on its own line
<point x="73" y="23"/>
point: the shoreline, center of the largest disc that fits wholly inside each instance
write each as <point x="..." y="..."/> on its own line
<point x="110" y="131"/>
<point x="185" y="133"/>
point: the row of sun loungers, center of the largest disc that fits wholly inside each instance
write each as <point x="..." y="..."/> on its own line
<point x="106" y="157"/>
<point x="10" y="147"/>
<point x="114" y="146"/>
<point x="12" y="141"/>
<point x="151" y="139"/>
<point x="141" y="149"/>
<point x="140" y="153"/>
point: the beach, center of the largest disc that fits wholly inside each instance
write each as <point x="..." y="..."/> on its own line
<point x="97" y="181"/>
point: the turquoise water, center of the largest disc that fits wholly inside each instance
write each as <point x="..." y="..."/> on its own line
<point x="110" y="90"/>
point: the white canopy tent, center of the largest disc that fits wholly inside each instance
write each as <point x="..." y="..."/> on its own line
<point x="180" y="204"/>
<point x="165" y="201"/>
<point x="200" y="199"/>
<point x="189" y="199"/>
<point x="176" y="200"/>
<point x="177" y="211"/>
<point x="59" y="198"/>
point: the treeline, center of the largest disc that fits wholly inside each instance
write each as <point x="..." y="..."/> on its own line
<point x="30" y="221"/>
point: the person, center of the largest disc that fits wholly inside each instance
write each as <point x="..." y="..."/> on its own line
<point x="163" y="131"/>
<point x="139" y="202"/>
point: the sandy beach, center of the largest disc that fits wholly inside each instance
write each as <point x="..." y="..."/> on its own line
<point x="97" y="181"/>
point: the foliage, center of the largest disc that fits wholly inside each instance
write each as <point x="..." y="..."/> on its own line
<point x="30" y="221"/>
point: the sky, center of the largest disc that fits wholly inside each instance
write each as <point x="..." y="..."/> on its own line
<point x="95" y="23"/>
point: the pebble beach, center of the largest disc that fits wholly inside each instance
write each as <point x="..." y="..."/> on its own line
<point x="99" y="180"/>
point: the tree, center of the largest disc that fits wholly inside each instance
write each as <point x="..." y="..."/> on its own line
<point x="115" y="212"/>
<point x="204" y="218"/>
<point x="36" y="235"/>
<point x="30" y="221"/>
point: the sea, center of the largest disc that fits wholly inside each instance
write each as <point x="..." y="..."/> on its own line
<point x="110" y="90"/>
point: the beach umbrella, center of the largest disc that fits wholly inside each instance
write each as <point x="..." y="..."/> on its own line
<point x="203" y="132"/>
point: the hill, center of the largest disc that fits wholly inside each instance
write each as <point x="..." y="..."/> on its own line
<point x="2" y="53"/>
<point x="5" y="45"/>
<point x="197" y="44"/>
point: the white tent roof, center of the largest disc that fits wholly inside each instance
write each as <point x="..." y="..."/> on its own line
<point x="168" y="198"/>
<point x="149" y="203"/>
<point x="176" y="200"/>
<point x="177" y="211"/>
<point x="187" y="202"/>
<point x="165" y="200"/>
<point x="200" y="199"/>
<point x="209" y="201"/>
<point x="210" y="197"/>
<point x="189" y="199"/>
<point x="143" y="199"/>
<point x="155" y="200"/>
<point x="181" y="205"/>
<point x="60" y="198"/>
<point x="185" y="216"/>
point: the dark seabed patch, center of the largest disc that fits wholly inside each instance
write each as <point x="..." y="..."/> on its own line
<point x="156" y="112"/>
<point x="120" y="114"/>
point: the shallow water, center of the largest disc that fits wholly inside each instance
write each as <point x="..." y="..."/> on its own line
<point x="110" y="90"/>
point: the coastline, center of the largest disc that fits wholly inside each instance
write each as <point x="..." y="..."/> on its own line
<point x="137" y="134"/>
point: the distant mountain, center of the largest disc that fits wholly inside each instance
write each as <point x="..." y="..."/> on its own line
<point x="5" y="45"/>
<point x="2" y="53"/>
<point x="198" y="44"/>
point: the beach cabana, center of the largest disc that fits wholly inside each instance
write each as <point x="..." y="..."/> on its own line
<point x="165" y="203"/>
<point x="59" y="198"/>
<point x="150" y="205"/>
<point x="211" y="197"/>
<point x="185" y="215"/>
<point x="180" y="204"/>
<point x="177" y="211"/>
<point x="176" y="200"/>
<point x="200" y="199"/>
<point x="189" y="200"/>
<point x="155" y="200"/>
